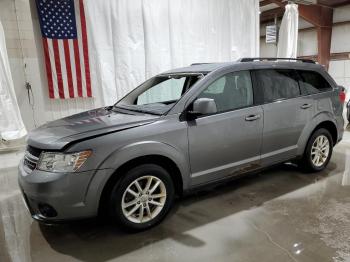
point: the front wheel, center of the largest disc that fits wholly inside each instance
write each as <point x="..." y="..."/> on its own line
<point x="142" y="197"/>
<point x="318" y="151"/>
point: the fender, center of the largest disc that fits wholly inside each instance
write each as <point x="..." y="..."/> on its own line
<point x="145" y="148"/>
<point x="132" y="151"/>
<point x="310" y="127"/>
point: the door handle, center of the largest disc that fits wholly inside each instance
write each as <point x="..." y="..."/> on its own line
<point x="306" y="106"/>
<point x="252" y="117"/>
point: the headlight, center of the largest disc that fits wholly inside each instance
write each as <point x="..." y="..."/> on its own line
<point x="60" y="162"/>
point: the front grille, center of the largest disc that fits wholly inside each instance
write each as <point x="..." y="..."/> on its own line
<point x="31" y="165"/>
<point x="31" y="158"/>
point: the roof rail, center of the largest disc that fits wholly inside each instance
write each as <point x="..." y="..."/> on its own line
<point x="246" y="59"/>
<point x="200" y="64"/>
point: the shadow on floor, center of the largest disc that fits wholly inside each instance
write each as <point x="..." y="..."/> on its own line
<point x="94" y="240"/>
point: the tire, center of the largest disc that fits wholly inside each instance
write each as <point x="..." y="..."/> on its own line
<point x="309" y="162"/>
<point x="145" y="210"/>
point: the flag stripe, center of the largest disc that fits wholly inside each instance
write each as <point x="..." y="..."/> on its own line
<point x="77" y="67"/>
<point x="85" y="48"/>
<point x="63" y="69"/>
<point x="48" y="68"/>
<point x="72" y="60"/>
<point x="68" y="68"/>
<point x="53" y="68"/>
<point x="58" y="67"/>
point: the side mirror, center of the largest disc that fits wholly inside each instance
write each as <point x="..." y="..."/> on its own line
<point x="202" y="106"/>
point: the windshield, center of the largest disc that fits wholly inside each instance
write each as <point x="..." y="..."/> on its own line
<point x="159" y="94"/>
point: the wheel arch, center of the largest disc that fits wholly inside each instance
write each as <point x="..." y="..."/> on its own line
<point x="163" y="161"/>
<point x="320" y="122"/>
<point x="331" y="127"/>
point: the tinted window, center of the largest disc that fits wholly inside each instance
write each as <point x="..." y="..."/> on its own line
<point x="313" y="82"/>
<point x="277" y="84"/>
<point x="231" y="91"/>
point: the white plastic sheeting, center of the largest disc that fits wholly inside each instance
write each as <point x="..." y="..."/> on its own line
<point x="11" y="124"/>
<point x="288" y="36"/>
<point x="130" y="41"/>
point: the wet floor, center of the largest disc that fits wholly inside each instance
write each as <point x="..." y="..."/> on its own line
<point x="277" y="215"/>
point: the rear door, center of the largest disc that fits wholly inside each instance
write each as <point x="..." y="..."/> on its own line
<point x="286" y="112"/>
<point x="229" y="142"/>
<point x="319" y="90"/>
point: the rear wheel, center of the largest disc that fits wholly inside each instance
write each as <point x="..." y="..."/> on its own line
<point x="318" y="151"/>
<point x="142" y="197"/>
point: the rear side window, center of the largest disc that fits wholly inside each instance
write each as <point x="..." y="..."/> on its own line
<point x="313" y="82"/>
<point x="277" y="84"/>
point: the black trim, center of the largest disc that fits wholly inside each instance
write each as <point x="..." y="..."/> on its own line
<point x="276" y="59"/>
<point x="34" y="151"/>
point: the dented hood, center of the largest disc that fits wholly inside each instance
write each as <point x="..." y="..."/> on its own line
<point x="57" y="134"/>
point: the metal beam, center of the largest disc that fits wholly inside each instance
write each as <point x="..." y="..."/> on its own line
<point x="277" y="2"/>
<point x="334" y="56"/>
<point x="333" y="3"/>
<point x="265" y="2"/>
<point x="322" y="18"/>
<point x="270" y="15"/>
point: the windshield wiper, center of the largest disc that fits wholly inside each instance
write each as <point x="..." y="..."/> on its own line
<point x="121" y="110"/>
<point x="138" y="110"/>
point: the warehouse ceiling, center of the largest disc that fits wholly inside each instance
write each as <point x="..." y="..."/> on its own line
<point x="271" y="8"/>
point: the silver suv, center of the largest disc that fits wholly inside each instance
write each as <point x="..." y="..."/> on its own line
<point x="177" y="131"/>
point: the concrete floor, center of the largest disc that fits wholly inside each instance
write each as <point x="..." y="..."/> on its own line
<point x="277" y="215"/>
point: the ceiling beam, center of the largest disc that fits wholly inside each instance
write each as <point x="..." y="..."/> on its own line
<point x="322" y="18"/>
<point x="319" y="16"/>
<point x="269" y="15"/>
<point x="267" y="2"/>
<point x="279" y="3"/>
<point x="333" y="3"/>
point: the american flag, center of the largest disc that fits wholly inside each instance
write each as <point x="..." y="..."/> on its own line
<point x="65" y="44"/>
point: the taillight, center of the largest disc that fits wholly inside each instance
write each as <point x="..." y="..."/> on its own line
<point x="342" y="96"/>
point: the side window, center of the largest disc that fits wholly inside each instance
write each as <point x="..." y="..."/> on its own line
<point x="231" y="91"/>
<point x="313" y="82"/>
<point x="217" y="87"/>
<point x="277" y="84"/>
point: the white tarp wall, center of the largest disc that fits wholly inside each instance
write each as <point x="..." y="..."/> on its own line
<point x="130" y="41"/>
<point x="11" y="124"/>
<point x="288" y="36"/>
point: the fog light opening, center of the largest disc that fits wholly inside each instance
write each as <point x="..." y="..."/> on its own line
<point x="47" y="210"/>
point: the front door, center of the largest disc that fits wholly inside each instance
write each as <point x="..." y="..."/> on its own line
<point x="229" y="142"/>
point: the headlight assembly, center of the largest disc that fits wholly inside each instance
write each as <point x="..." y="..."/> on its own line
<point x="61" y="163"/>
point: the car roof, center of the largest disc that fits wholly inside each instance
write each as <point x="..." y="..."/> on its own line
<point x="209" y="67"/>
<point x="198" y="68"/>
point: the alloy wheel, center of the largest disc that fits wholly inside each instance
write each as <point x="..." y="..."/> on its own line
<point x="144" y="199"/>
<point x="320" y="150"/>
